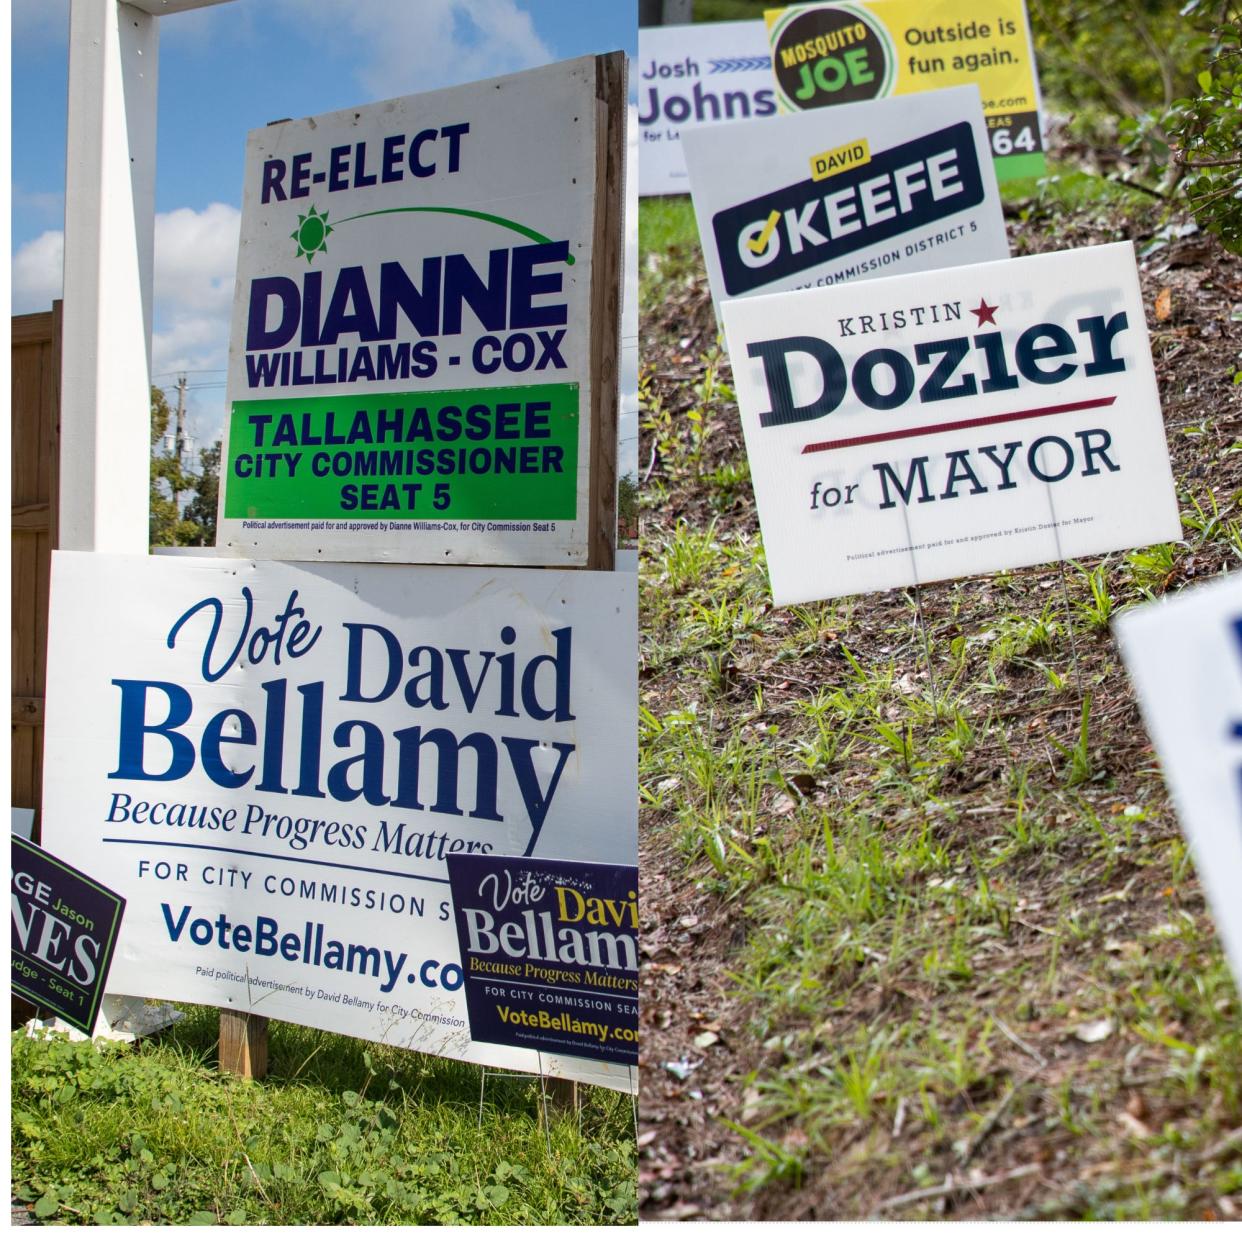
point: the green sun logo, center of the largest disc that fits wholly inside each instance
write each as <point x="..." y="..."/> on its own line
<point x="311" y="234"/>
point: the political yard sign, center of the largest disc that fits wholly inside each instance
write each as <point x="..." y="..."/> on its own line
<point x="273" y="762"/>
<point x="1184" y="655"/>
<point x="916" y="428"/>
<point x="417" y="323"/>
<point x="872" y="189"/>
<point x="829" y="54"/>
<point x="695" y="75"/>
<point x="63" y="931"/>
<point x="549" y="950"/>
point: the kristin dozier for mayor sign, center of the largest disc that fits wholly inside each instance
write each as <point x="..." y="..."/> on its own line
<point x="695" y="75"/>
<point x="866" y="190"/>
<point x="1184" y="655"/>
<point x="409" y="370"/>
<point x="272" y="763"/>
<point x="923" y="427"/>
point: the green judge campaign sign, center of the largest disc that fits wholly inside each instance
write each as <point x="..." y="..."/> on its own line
<point x="410" y="358"/>
<point x="273" y="762"/>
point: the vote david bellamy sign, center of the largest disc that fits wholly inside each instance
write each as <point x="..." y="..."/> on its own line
<point x="1184" y="655"/>
<point x="873" y="189"/>
<point x="550" y="954"/>
<point x="915" y="428"/>
<point x="410" y="360"/>
<point x="828" y="54"/>
<point x="273" y="762"/>
<point x="695" y="75"/>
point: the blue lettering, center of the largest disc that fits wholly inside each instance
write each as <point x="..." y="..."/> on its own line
<point x="134" y="729"/>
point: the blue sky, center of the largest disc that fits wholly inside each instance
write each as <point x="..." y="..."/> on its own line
<point x="233" y="67"/>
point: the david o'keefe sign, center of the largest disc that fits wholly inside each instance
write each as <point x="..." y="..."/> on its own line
<point x="900" y="185"/>
<point x="273" y="762"/>
<point x="410" y="360"/>
<point x="922" y="427"/>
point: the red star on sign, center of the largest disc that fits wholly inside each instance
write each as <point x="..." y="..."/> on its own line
<point x="985" y="313"/>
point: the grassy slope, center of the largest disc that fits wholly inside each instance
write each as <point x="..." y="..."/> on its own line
<point x="342" y="1132"/>
<point x="959" y="933"/>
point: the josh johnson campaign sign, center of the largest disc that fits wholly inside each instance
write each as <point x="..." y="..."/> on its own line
<point x="409" y="365"/>
<point x="866" y="190"/>
<point x="977" y="418"/>
<point x="1185" y="658"/>
<point x="272" y="763"/>
<point x="695" y="75"/>
<point x="838" y="53"/>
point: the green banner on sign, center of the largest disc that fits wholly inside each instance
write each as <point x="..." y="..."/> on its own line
<point x="499" y="453"/>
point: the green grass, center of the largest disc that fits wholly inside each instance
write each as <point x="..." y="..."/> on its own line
<point x="341" y="1132"/>
<point x="665" y="222"/>
<point x="938" y="887"/>
<point x="890" y="933"/>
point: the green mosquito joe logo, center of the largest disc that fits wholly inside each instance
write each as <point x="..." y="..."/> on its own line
<point x="831" y="54"/>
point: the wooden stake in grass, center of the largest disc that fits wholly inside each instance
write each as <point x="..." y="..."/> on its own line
<point x="918" y="615"/>
<point x="243" y="1043"/>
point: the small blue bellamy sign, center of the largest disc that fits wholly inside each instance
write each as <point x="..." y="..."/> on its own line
<point x="550" y="954"/>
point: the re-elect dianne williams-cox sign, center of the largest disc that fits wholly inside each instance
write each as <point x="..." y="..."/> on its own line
<point x="914" y="428"/>
<point x="409" y="369"/>
<point x="272" y="763"/>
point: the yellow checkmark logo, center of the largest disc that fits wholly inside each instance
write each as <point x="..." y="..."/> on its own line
<point x="759" y="244"/>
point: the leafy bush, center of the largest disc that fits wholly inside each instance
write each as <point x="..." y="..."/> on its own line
<point x="1207" y="130"/>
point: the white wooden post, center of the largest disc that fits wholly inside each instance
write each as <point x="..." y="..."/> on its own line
<point x="109" y="258"/>
<point x="109" y="244"/>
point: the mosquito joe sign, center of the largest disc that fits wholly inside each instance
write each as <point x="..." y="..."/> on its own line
<point x="272" y="763"/>
<point x="550" y="954"/>
<point x="877" y="189"/>
<point x="409" y="371"/>
<point x="63" y="931"/>
<point x="695" y="75"/>
<point x="828" y="54"/>
<point x="922" y="427"/>
<point x="1185" y="658"/>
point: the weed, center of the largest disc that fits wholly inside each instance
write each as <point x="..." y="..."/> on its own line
<point x="1079" y="766"/>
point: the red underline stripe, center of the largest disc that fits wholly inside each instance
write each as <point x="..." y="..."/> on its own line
<point x="825" y="446"/>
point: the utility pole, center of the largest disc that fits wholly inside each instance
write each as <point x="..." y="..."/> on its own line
<point x="179" y="442"/>
<point x="665" y="12"/>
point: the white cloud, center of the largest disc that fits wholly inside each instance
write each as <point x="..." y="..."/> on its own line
<point x="195" y="266"/>
<point x="36" y="275"/>
<point x="401" y="48"/>
<point x="195" y="270"/>
<point x="196" y="257"/>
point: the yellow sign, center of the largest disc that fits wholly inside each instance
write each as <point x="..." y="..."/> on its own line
<point x="829" y="163"/>
<point x="848" y="52"/>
